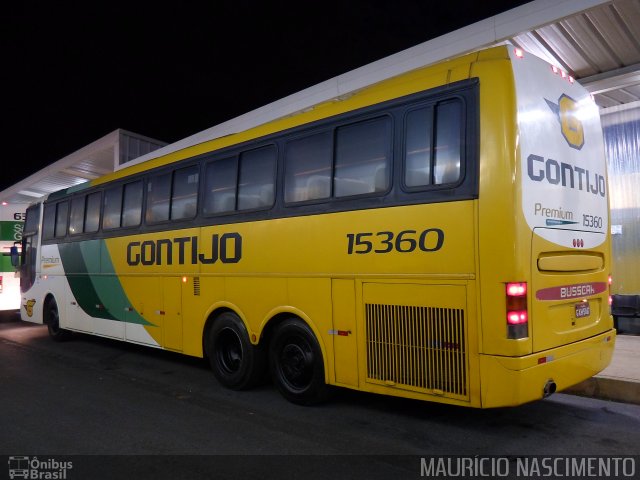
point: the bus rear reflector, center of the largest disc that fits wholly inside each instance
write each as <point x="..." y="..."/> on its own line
<point x="517" y="313"/>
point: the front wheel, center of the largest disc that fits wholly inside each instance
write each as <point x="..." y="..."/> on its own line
<point x="296" y="364"/>
<point x="52" y="319"/>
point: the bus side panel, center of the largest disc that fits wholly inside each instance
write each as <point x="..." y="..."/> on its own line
<point x="345" y="332"/>
<point x="416" y="338"/>
<point x="503" y="254"/>
<point x="201" y="296"/>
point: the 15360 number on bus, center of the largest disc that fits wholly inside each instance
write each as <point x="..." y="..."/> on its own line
<point x="406" y="241"/>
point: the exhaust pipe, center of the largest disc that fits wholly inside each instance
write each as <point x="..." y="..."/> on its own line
<point x="549" y="388"/>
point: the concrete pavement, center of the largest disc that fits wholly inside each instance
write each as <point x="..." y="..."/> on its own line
<point x="620" y="381"/>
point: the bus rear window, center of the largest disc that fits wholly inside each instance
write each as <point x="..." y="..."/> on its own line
<point x="447" y="148"/>
<point x="433" y="147"/>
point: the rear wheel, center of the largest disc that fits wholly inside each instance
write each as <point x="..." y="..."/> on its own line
<point x="236" y="363"/>
<point x="296" y="364"/>
<point x="52" y="318"/>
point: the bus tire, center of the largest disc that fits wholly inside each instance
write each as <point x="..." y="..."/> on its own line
<point x="296" y="365"/>
<point x="51" y="317"/>
<point x="236" y="363"/>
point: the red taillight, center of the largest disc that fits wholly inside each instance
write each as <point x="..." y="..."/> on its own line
<point x="610" y="296"/>
<point x="516" y="289"/>
<point x="518" y="52"/>
<point x="517" y="317"/>
<point x="517" y="313"/>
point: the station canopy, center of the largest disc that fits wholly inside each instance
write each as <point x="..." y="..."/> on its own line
<point x="595" y="41"/>
<point x="91" y="161"/>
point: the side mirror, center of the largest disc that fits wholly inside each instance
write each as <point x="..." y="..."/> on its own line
<point x="15" y="257"/>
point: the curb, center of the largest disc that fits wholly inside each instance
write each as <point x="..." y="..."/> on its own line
<point x="607" y="388"/>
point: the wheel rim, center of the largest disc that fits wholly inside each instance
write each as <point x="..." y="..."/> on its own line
<point x="296" y="363"/>
<point x="228" y="351"/>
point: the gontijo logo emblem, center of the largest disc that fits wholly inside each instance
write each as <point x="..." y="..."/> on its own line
<point x="28" y="306"/>
<point x="566" y="111"/>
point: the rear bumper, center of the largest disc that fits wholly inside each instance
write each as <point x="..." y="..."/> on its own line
<point x="509" y="381"/>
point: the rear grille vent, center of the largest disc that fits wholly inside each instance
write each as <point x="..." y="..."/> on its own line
<point x="423" y="348"/>
<point x="196" y="286"/>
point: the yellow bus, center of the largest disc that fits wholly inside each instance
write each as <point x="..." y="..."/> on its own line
<point x="442" y="235"/>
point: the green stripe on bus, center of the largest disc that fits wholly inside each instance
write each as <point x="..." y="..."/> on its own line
<point x="89" y="271"/>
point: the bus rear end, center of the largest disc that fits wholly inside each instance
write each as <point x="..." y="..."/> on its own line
<point x="554" y="288"/>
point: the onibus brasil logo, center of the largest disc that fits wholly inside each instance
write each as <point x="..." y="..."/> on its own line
<point x="34" y="468"/>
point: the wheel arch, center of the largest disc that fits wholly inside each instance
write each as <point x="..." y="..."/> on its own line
<point x="214" y="312"/>
<point x="48" y="297"/>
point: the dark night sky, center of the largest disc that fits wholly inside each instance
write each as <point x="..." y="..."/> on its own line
<point x="72" y="75"/>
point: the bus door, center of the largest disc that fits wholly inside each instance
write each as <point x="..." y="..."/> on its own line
<point x="345" y="346"/>
<point x="172" y="312"/>
<point x="30" y="238"/>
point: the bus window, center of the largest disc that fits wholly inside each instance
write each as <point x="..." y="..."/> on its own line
<point x="76" y="219"/>
<point x="31" y="223"/>
<point x="362" y="158"/>
<point x="112" y="208"/>
<point x="256" y="179"/>
<point x="92" y="213"/>
<point x="308" y="168"/>
<point x="158" y="195"/>
<point x="423" y="165"/>
<point x="417" y="169"/>
<point x="220" y="186"/>
<point x="447" y="145"/>
<point x="49" y="221"/>
<point x="62" y="215"/>
<point x="184" y="198"/>
<point x="132" y="204"/>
